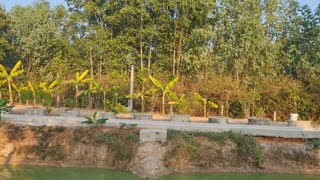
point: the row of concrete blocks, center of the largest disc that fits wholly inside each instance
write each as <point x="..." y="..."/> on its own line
<point x="43" y="112"/>
<point x="251" y="121"/>
<point x="109" y="115"/>
<point x="175" y="118"/>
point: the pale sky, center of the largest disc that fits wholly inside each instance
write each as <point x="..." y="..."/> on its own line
<point x="9" y="3"/>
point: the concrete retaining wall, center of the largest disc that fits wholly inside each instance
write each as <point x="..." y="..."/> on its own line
<point x="270" y="131"/>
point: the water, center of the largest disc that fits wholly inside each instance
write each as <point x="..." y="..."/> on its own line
<point x="240" y="176"/>
<point x="51" y="173"/>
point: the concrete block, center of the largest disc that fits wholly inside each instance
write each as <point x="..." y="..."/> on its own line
<point x="153" y="135"/>
<point x="218" y="119"/>
<point x="259" y="121"/>
<point x="292" y="123"/>
<point x="37" y="112"/>
<point x="108" y="115"/>
<point x="180" y="118"/>
<point x="70" y="113"/>
<point x="142" y="116"/>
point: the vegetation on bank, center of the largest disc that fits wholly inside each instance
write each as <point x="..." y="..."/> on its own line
<point x="65" y="144"/>
<point x="250" y="57"/>
<point x="247" y="150"/>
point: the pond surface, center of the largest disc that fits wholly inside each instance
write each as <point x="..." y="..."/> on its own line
<point x="52" y="173"/>
<point x="240" y="176"/>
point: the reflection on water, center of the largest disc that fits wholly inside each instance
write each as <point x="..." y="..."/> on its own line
<point x="51" y="173"/>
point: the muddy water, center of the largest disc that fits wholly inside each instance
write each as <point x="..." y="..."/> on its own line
<point x="51" y="173"/>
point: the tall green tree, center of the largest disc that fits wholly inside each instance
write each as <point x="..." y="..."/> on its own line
<point x="4" y="44"/>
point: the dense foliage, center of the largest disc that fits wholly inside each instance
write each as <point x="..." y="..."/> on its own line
<point x="250" y="57"/>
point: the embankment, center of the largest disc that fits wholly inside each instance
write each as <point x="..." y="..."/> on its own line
<point x="109" y="147"/>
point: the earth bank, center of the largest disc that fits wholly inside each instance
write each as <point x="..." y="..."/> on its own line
<point x="184" y="152"/>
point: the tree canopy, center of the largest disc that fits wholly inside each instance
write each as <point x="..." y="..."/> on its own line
<point x="252" y="57"/>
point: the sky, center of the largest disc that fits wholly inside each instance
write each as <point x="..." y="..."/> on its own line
<point x="9" y="3"/>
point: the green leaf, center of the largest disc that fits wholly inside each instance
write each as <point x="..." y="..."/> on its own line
<point x="122" y="125"/>
<point x="83" y="75"/>
<point x="86" y="80"/>
<point x="53" y="84"/>
<point x="14" y="71"/>
<point x="88" y="118"/>
<point x="151" y="91"/>
<point x="133" y="125"/>
<point x="212" y="104"/>
<point x="95" y="115"/>
<point x="198" y="96"/>
<point x="173" y="95"/>
<point x="155" y="82"/>
<point x="13" y="74"/>
<point x="173" y="102"/>
<point x="87" y="122"/>
<point x="3" y="81"/>
<point x="101" y="121"/>
<point x="171" y="83"/>
<point x="3" y="71"/>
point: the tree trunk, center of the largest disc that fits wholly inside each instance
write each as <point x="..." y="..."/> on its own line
<point x="90" y="101"/>
<point x="19" y="95"/>
<point x="174" y="54"/>
<point x="179" y="55"/>
<point x="142" y="104"/>
<point x="58" y="101"/>
<point x="10" y="92"/>
<point x="141" y="38"/>
<point x="205" y="108"/>
<point x="221" y="109"/>
<point x="100" y="66"/>
<point x="76" y="96"/>
<point x="91" y="62"/>
<point x="149" y="55"/>
<point x="163" y="103"/>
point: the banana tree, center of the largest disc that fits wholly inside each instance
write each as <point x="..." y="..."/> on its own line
<point x="19" y="89"/>
<point x="8" y="77"/>
<point x="31" y="88"/>
<point x="49" y="89"/>
<point x="164" y="89"/>
<point x="80" y="80"/>
<point x="205" y="102"/>
<point x="94" y="88"/>
<point x="177" y="101"/>
<point x="142" y="94"/>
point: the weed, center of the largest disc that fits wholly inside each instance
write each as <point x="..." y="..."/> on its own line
<point x="125" y="125"/>
<point x="56" y="152"/>
<point x="122" y="147"/>
<point x="76" y="138"/>
<point x="246" y="146"/>
<point x="94" y="120"/>
<point x="132" y="137"/>
<point x="313" y="143"/>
